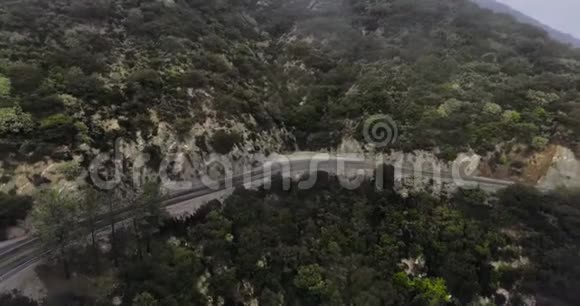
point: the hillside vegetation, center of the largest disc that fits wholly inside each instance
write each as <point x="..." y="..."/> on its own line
<point x="322" y="246"/>
<point x="452" y="75"/>
<point x="75" y="75"/>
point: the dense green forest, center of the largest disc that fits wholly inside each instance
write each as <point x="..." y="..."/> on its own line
<point x="452" y="75"/>
<point x="332" y="246"/>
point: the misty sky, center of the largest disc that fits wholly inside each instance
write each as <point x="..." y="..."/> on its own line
<point x="562" y="15"/>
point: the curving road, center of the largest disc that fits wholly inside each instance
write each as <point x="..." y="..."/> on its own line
<point x="18" y="256"/>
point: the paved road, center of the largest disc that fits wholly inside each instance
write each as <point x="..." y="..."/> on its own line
<point x="20" y="255"/>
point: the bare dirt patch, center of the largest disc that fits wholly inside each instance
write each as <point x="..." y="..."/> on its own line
<point x="539" y="164"/>
<point x="519" y="165"/>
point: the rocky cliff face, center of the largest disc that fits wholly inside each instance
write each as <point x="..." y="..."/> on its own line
<point x="142" y="159"/>
<point x="563" y="172"/>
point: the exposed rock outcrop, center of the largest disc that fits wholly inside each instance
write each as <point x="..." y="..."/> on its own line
<point x="564" y="171"/>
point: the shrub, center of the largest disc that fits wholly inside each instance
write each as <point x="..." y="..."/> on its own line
<point x="508" y="276"/>
<point x="43" y="106"/>
<point x="145" y="299"/>
<point x="92" y="9"/>
<point x="25" y="78"/>
<point x="194" y="78"/>
<point x="511" y="116"/>
<point x="82" y="132"/>
<point x="214" y="43"/>
<point x="55" y="121"/>
<point x="134" y="19"/>
<point x="201" y="143"/>
<point x="155" y="156"/>
<point x="450" y="106"/>
<point x="182" y="126"/>
<point x="13" y="208"/>
<point x="217" y="63"/>
<point x="14" y="121"/>
<point x="539" y="143"/>
<point x="58" y="128"/>
<point x="5" y="86"/>
<point x="492" y="108"/>
<point x="84" y="86"/>
<point x="70" y="170"/>
<point x="68" y="100"/>
<point x="15" y="298"/>
<point x="525" y="131"/>
<point x="147" y="78"/>
<point x="142" y="122"/>
<point x="223" y="142"/>
<point x="229" y="104"/>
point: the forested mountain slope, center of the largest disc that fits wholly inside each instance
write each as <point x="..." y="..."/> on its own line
<point x="555" y="34"/>
<point x="453" y="76"/>
<point x="75" y="75"/>
<point x="329" y="245"/>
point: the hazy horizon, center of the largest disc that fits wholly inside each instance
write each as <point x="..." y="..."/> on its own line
<point x="561" y="15"/>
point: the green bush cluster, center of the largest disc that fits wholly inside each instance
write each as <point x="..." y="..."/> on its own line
<point x="224" y="141"/>
<point x="71" y="170"/>
<point x="326" y="246"/>
<point x="13" y="121"/>
<point x="332" y="246"/>
<point x="13" y="208"/>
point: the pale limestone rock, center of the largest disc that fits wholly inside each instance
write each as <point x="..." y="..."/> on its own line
<point x="413" y="266"/>
<point x="564" y="172"/>
<point x="350" y="146"/>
